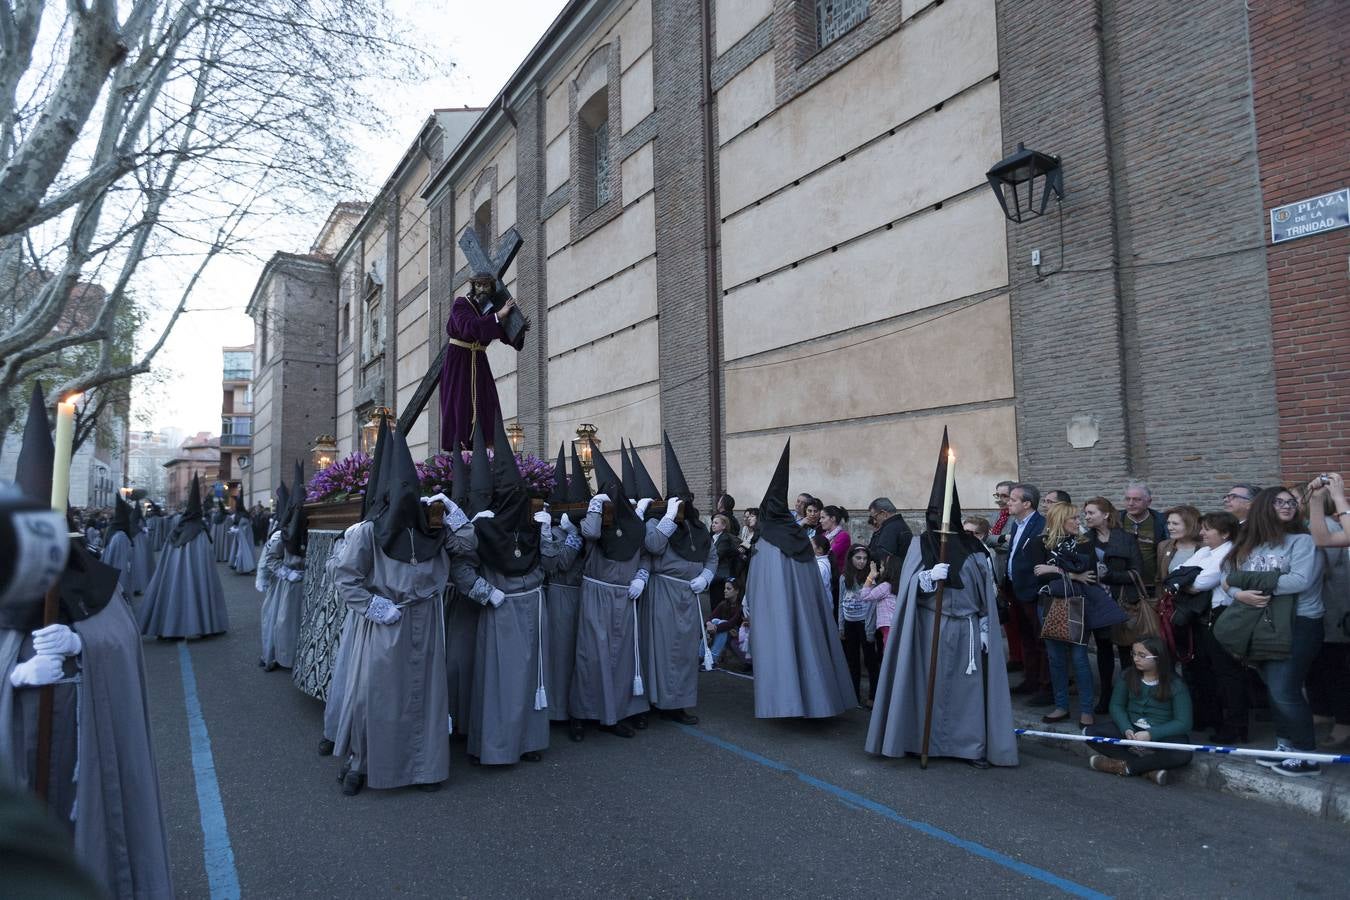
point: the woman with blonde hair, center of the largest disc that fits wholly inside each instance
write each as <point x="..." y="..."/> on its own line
<point x="1057" y="556"/>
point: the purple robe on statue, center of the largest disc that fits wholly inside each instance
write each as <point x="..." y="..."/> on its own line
<point x="466" y="376"/>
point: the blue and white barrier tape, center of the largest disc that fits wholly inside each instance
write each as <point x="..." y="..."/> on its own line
<point x="1333" y="758"/>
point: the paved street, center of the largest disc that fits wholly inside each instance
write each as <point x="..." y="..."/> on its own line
<point x="731" y="806"/>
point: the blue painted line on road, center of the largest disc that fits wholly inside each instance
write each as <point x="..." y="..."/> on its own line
<point x="221" y="875"/>
<point x="860" y="802"/>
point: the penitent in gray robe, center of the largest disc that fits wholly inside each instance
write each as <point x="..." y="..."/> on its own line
<point x="671" y="621"/>
<point x="461" y="636"/>
<point x="242" y="557"/>
<point x="220" y="539"/>
<point x="972" y="709"/>
<point x="142" y="562"/>
<point x="508" y="710"/>
<point x="111" y="790"/>
<point x="118" y="554"/>
<point x="391" y="715"/>
<point x="184" y="598"/>
<point x="562" y="599"/>
<point x="283" y="605"/>
<point x="794" y="641"/>
<point x="606" y="677"/>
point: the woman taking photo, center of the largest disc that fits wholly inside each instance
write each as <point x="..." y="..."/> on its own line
<point x="1149" y="703"/>
<point x="1057" y="556"/>
<point x="1114" y="553"/>
<point x="1275" y="540"/>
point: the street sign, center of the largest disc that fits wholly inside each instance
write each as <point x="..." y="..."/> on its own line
<point x="1312" y="216"/>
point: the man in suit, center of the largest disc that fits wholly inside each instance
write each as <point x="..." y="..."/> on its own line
<point x="1025" y="524"/>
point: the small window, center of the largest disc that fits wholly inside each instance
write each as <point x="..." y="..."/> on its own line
<point x="600" y="138"/>
<point x="262" y="338"/>
<point x="372" y="337"/>
<point x="482" y="225"/>
<point x="835" y="17"/>
<point x="345" y="323"/>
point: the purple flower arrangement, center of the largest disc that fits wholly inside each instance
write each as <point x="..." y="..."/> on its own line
<point x="348" y="477"/>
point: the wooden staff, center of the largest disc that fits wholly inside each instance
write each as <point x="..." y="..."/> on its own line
<point x="933" y="657"/>
<point x="51" y="605"/>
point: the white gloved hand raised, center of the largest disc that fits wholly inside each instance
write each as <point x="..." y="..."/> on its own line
<point x="485" y="514"/>
<point x="567" y="524"/>
<point x="382" y="611"/>
<point x="597" y="503"/>
<point x="641" y="508"/>
<point x="56" y="640"/>
<point x="543" y="518"/>
<point x="295" y="575"/>
<point x="36" y="672"/>
<point x="445" y="501"/>
<point x="635" y="588"/>
<point x="496" y="598"/>
<point x="939" y="572"/>
<point x="673" y="508"/>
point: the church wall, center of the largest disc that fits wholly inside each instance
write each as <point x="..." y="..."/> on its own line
<point x="734" y="19"/>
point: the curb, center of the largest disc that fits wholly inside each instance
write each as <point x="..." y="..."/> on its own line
<point x="1319" y="796"/>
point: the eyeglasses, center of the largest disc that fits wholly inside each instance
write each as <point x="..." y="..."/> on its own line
<point x="1143" y="656"/>
<point x="1286" y="504"/>
<point x="1235" y="497"/>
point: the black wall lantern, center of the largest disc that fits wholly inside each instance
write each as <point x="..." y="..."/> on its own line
<point x="1024" y="168"/>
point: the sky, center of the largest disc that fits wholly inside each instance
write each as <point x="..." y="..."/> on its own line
<point x="485" y="41"/>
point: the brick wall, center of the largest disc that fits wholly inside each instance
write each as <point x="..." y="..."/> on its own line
<point x="531" y="273"/>
<point x="1158" y="324"/>
<point x="1300" y="57"/>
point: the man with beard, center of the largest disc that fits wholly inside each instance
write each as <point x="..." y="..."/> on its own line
<point x="468" y="390"/>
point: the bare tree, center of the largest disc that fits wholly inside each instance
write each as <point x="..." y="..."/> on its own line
<point x="141" y="140"/>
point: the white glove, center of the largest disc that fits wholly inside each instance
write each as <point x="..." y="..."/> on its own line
<point x="445" y="501"/>
<point x="543" y="518"/>
<point x="382" y="611"/>
<point x="635" y="588"/>
<point x="56" y="640"/>
<point x="567" y="524"/>
<point x="984" y="634"/>
<point x="485" y="514"/>
<point x="597" y="503"/>
<point x="672" y="508"/>
<point x="234" y="530"/>
<point x="36" y="672"/>
<point x="939" y="572"/>
<point x="496" y="598"/>
<point x="641" y="508"/>
<point x="699" y="584"/>
<point x="928" y="578"/>
<point x="295" y="575"/>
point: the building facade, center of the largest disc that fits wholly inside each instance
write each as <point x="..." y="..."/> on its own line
<point x="746" y="221"/>
<point x="236" y="422"/>
<point x="198" y="455"/>
<point x="147" y="452"/>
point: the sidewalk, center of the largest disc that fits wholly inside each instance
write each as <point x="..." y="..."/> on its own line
<point x="1325" y="796"/>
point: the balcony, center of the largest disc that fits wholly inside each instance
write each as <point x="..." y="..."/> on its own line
<point x="236" y="440"/>
<point x="237" y="375"/>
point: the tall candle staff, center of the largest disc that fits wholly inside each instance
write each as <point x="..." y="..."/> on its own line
<point x="944" y="530"/>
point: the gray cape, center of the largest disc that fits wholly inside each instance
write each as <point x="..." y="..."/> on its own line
<point x="794" y="643"/>
<point x="282" y="607"/>
<point x="242" y="557"/>
<point x="142" y="562"/>
<point x="184" y="599"/>
<point x="118" y="820"/>
<point x="562" y="598"/>
<point x="220" y="540"/>
<point x="391" y="718"/>
<point x="972" y="709"/>
<point x="671" y="621"/>
<point x="117" y="552"/>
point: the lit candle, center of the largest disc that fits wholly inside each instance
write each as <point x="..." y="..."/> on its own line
<point x="65" y="440"/>
<point x="947" y="497"/>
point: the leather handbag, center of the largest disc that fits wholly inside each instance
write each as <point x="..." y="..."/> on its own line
<point x="1141" y="616"/>
<point x="1064" y="615"/>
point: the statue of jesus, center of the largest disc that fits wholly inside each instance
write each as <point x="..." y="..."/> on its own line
<point x="468" y="390"/>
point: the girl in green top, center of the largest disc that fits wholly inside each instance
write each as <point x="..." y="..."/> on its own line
<point x="1151" y="703"/>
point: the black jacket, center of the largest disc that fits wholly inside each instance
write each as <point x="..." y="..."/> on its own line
<point x="1021" y="577"/>
<point x="891" y="539"/>
<point x="1122" y="555"/>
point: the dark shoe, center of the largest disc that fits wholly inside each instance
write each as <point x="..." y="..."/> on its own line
<point x="576" y="731"/>
<point x="1050" y="720"/>
<point x="1157" y="776"/>
<point x="352" y="783"/>
<point x="1296" y="768"/>
<point x="619" y="729"/>
<point x="474" y="761"/>
<point x="430" y="787"/>
<point x="1043" y="699"/>
<point x="342" y="773"/>
<point x="325" y="747"/>
<point x="261" y="664"/>
<point x="639" y="721"/>
<point x="680" y="716"/>
<point x="980" y="763"/>
<point x="531" y="756"/>
<point x="270" y="667"/>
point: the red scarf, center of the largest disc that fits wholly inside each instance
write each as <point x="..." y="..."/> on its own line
<point x="1002" y="520"/>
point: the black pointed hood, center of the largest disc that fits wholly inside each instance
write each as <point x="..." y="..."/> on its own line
<point x="218" y="515"/>
<point x="136" y="518"/>
<point x="622" y="538"/>
<point x="560" y="490"/>
<point x="400" y="519"/>
<point x="373" y="478"/>
<point x="480" y="474"/>
<point x="508" y="542"/>
<point x="578" y="488"/>
<point x="121" y="520"/>
<point x="630" y="485"/>
<point x="776" y="524"/>
<point x="959" y="544"/>
<point x="190" y="523"/>
<point x="691" y="539"/>
<point x="283" y="505"/>
<point x="459" y="481"/>
<point x="646" y="485"/>
<point x="296" y="530"/>
<point x="37" y="453"/>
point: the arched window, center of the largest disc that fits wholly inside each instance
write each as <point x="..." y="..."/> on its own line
<point x="595" y="169"/>
<point x="482" y="224"/>
<point x="372" y="335"/>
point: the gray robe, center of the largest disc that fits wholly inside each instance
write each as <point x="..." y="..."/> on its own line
<point x="972" y="708"/>
<point x="562" y="596"/>
<point x="118" y="554"/>
<point x="184" y="598"/>
<point x="671" y="622"/>
<point x="283" y="606"/>
<point x="461" y="636"/>
<point x="112" y="789"/>
<point x="332" y="706"/>
<point x="142" y="562"/>
<point x="242" y="558"/>
<point x="606" y="678"/>
<point x="157" y="531"/>
<point x="220" y="539"/>
<point x="391" y="718"/>
<point x="794" y="643"/>
<point x="509" y="705"/>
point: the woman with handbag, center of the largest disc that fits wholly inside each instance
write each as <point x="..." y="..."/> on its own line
<point x="1118" y="562"/>
<point x="1274" y="567"/>
<point x="1059" y="560"/>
